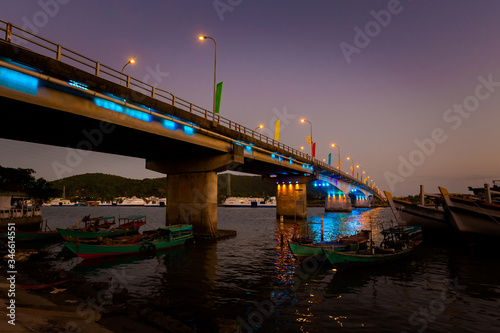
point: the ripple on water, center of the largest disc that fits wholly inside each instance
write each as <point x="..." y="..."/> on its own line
<point x="237" y="277"/>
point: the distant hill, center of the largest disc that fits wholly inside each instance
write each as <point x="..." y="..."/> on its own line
<point x="104" y="187"/>
<point x="99" y="186"/>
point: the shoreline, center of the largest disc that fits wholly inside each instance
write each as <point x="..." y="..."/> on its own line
<point x="79" y="305"/>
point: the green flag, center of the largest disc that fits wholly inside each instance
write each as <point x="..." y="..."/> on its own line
<point x="218" y="93"/>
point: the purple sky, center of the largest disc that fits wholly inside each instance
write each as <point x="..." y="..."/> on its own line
<point x="413" y="99"/>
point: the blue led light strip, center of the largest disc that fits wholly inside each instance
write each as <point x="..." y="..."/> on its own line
<point x="18" y="81"/>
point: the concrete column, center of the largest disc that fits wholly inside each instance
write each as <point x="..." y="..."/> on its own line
<point x="422" y="195"/>
<point x="362" y="203"/>
<point x="192" y="199"/>
<point x="291" y="201"/>
<point x="340" y="203"/>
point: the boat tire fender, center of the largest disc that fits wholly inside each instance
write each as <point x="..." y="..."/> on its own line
<point x="142" y="249"/>
<point x="151" y="248"/>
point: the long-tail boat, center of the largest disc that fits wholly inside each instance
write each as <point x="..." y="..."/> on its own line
<point x="126" y="226"/>
<point x="472" y="217"/>
<point x="44" y="234"/>
<point x="305" y="248"/>
<point x="163" y="238"/>
<point x="398" y="243"/>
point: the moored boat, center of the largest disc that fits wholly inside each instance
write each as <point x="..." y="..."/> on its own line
<point x="398" y="243"/>
<point x="134" y="201"/>
<point x="249" y="202"/>
<point x="43" y="234"/>
<point x="303" y="248"/>
<point x="429" y="218"/>
<point x="472" y="217"/>
<point x="126" y="226"/>
<point x="24" y="236"/>
<point x="162" y="239"/>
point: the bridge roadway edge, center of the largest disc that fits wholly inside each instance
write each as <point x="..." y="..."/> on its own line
<point x="66" y="72"/>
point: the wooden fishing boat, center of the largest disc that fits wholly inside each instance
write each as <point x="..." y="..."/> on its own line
<point x="398" y="243"/>
<point x="126" y="226"/>
<point x="44" y="234"/>
<point x="304" y="248"/>
<point x="94" y="223"/>
<point x="428" y="217"/>
<point x="472" y="217"/>
<point x="164" y="238"/>
<point x="24" y="236"/>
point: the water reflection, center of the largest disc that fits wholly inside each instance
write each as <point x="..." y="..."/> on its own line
<point x="255" y="280"/>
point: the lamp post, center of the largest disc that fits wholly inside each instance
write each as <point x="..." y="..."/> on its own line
<point x="215" y="68"/>
<point x="361" y="169"/>
<point x="259" y="127"/>
<point x="312" y="142"/>
<point x="131" y="61"/>
<point x="352" y="165"/>
<point x="334" y="145"/>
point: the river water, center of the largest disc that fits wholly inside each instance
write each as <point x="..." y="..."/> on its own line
<point x="443" y="287"/>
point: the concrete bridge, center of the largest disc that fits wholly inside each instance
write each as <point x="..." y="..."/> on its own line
<point x="52" y="95"/>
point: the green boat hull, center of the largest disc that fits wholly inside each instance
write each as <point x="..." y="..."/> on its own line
<point x="89" y="251"/>
<point x="305" y="250"/>
<point x="352" y="259"/>
<point x="168" y="237"/>
<point x="24" y="236"/>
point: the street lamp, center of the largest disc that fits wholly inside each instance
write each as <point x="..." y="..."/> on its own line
<point x="131" y="61"/>
<point x="303" y="121"/>
<point x="259" y="127"/>
<point x="362" y="172"/>
<point x="215" y="67"/>
<point x="334" y="145"/>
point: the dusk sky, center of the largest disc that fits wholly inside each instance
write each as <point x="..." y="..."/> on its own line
<point x="410" y="90"/>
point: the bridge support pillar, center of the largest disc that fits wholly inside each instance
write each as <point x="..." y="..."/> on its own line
<point x="338" y="203"/>
<point x="362" y="203"/>
<point x="192" y="189"/>
<point x="192" y="199"/>
<point x="291" y="195"/>
<point x="291" y="201"/>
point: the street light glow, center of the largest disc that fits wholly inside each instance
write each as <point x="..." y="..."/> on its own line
<point x="215" y="69"/>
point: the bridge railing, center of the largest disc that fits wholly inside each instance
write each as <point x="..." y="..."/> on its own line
<point x="21" y="38"/>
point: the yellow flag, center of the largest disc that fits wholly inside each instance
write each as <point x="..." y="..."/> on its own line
<point x="309" y="140"/>
<point x="277" y="130"/>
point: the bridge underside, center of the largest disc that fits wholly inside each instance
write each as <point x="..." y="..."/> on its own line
<point x="38" y="124"/>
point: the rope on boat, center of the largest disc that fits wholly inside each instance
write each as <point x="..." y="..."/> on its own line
<point x="485" y="213"/>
